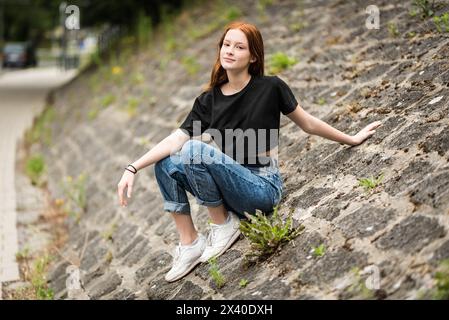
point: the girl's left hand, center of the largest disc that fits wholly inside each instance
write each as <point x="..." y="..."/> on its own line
<point x="365" y="133"/>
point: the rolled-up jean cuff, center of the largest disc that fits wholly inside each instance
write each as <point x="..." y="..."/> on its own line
<point x="209" y="203"/>
<point x="181" y="208"/>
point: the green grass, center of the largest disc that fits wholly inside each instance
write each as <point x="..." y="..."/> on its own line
<point x="370" y="183"/>
<point x="35" y="168"/>
<point x="41" y="130"/>
<point x="442" y="22"/>
<point x="441" y="290"/>
<point x="279" y="62"/>
<point x="144" y="29"/>
<point x="215" y="273"/>
<point x="267" y="233"/>
<point x="232" y="13"/>
<point x="38" y="278"/>
<point x="34" y="271"/>
<point x="95" y="58"/>
<point x="425" y="7"/>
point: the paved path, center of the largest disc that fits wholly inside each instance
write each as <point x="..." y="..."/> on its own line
<point x="22" y="96"/>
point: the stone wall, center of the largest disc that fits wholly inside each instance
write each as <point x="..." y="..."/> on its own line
<point x="347" y="76"/>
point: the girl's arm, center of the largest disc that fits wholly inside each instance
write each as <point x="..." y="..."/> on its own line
<point x="315" y="126"/>
<point x="164" y="148"/>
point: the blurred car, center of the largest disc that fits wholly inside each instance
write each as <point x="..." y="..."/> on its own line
<point x="19" y="54"/>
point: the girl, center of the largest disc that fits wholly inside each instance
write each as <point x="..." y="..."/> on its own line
<point x="240" y="104"/>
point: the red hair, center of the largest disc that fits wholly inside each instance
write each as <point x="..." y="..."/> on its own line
<point x="255" y="43"/>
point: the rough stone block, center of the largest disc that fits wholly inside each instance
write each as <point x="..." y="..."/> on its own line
<point x="411" y="234"/>
<point x="365" y="221"/>
<point x="432" y="191"/>
<point x="333" y="265"/>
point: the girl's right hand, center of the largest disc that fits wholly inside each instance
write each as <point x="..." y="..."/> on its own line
<point x="127" y="180"/>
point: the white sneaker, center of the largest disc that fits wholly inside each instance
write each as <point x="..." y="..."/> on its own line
<point x="221" y="237"/>
<point x="186" y="258"/>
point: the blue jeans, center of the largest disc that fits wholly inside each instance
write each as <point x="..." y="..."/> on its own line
<point x="214" y="178"/>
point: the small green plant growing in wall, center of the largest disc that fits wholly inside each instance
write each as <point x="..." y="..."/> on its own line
<point x="38" y="278"/>
<point x="23" y="254"/>
<point x="104" y="102"/>
<point x="358" y="286"/>
<point x="426" y="7"/>
<point x="442" y="22"/>
<point x="75" y="191"/>
<point x="321" y="101"/>
<point x="215" y="273"/>
<point x="131" y="106"/>
<point x="279" y="62"/>
<point x="370" y="183"/>
<point x="267" y="233"/>
<point x="243" y="283"/>
<point x="319" y="251"/>
<point x="297" y="26"/>
<point x="393" y="29"/>
<point x="441" y="291"/>
<point x="233" y="13"/>
<point x="35" y="168"/>
<point x="144" y="28"/>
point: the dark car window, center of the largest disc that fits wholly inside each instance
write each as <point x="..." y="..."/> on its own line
<point x="14" y="49"/>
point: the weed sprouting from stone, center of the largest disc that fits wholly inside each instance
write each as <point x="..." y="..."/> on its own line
<point x="370" y="183"/>
<point x="215" y="273"/>
<point x="267" y="233"/>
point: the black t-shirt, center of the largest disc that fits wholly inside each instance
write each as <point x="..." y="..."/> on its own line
<point x="246" y="123"/>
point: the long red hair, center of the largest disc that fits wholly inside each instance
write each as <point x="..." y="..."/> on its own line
<point x="255" y="43"/>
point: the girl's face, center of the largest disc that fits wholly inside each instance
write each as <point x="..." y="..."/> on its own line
<point x="234" y="53"/>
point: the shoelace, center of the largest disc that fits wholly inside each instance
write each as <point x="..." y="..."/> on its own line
<point x="212" y="234"/>
<point x="177" y="254"/>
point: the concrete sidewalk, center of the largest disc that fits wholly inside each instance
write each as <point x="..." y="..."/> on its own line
<point x="22" y="97"/>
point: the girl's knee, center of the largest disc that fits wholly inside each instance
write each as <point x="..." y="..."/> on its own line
<point x="162" y="165"/>
<point x="168" y="165"/>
